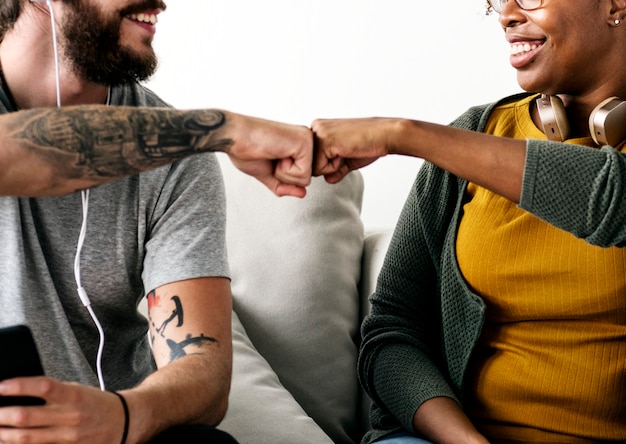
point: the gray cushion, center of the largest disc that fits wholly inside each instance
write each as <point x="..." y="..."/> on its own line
<point x="295" y="266"/>
<point x="260" y="409"/>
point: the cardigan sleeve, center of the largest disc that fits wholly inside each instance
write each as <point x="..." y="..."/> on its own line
<point x="401" y="363"/>
<point x="578" y="189"/>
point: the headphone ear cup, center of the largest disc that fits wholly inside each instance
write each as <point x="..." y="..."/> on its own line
<point x="553" y="117"/>
<point x="607" y="122"/>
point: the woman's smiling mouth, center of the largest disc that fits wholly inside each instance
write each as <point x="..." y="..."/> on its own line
<point x="522" y="52"/>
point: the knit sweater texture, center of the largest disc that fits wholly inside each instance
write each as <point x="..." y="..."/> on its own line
<point x="424" y="320"/>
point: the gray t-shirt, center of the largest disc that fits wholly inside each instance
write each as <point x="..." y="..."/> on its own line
<point x="144" y="231"/>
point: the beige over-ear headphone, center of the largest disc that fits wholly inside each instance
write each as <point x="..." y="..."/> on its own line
<point x="607" y="122"/>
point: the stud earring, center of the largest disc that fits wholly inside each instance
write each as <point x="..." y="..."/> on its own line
<point x="617" y="22"/>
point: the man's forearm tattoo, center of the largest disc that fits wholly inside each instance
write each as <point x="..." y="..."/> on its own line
<point x="118" y="141"/>
<point x="177" y="349"/>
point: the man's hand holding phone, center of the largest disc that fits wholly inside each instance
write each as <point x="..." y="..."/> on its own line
<point x="18" y="358"/>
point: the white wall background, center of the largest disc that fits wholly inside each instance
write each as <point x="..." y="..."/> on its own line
<point x="296" y="60"/>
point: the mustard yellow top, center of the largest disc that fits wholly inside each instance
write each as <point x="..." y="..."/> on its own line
<point x="555" y="333"/>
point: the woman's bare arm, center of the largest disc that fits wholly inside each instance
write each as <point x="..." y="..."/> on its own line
<point x="496" y="163"/>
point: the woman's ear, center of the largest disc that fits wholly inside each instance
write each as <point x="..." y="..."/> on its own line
<point x="618" y="10"/>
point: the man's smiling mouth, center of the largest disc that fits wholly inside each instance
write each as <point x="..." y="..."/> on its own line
<point x="144" y="18"/>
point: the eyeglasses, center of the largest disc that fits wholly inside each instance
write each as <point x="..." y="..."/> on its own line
<point x="526" y="5"/>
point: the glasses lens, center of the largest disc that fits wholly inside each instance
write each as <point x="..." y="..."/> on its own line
<point x="496" y="5"/>
<point x="529" y="4"/>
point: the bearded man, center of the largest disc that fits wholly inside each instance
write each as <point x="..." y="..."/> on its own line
<point x="73" y="116"/>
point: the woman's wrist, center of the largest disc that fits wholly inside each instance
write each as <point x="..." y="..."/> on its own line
<point x="443" y="421"/>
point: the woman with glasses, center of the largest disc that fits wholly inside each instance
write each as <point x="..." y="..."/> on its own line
<point x="500" y="311"/>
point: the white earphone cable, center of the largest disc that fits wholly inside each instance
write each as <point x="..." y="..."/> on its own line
<point x="82" y="293"/>
<point x="57" y="70"/>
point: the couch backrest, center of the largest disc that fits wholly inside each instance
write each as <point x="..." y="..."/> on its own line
<point x="295" y="266"/>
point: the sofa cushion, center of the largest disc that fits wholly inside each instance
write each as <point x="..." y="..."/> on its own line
<point x="295" y="267"/>
<point x="260" y="409"/>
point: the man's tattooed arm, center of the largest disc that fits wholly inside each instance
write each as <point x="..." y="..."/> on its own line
<point x="178" y="348"/>
<point x="90" y="145"/>
<point x="190" y="332"/>
<point x="52" y="151"/>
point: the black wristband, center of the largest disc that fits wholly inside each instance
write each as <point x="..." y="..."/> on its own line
<point x="126" y="416"/>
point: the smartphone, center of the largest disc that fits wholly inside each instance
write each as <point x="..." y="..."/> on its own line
<point x="19" y="357"/>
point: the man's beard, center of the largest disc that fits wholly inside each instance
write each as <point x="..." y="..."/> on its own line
<point x="91" y="43"/>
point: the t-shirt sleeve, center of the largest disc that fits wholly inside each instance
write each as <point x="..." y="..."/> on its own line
<point x="186" y="224"/>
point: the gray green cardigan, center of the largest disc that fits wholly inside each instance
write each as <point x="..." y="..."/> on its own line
<point x="424" y="320"/>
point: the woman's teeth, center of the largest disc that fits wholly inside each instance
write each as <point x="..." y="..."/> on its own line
<point x="519" y="48"/>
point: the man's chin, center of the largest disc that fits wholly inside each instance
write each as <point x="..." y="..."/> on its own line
<point x="117" y="77"/>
